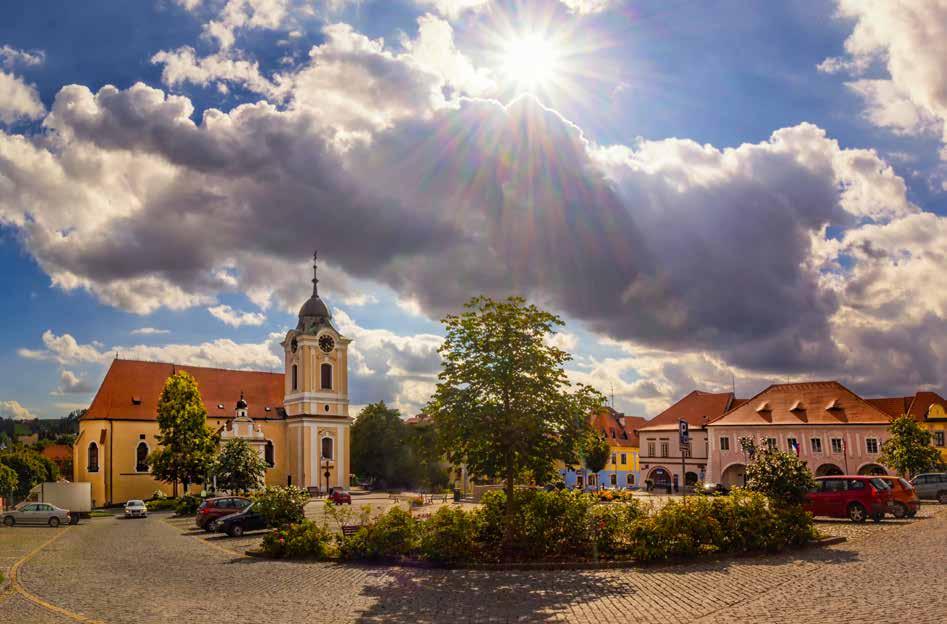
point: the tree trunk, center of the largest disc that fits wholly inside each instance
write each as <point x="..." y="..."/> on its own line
<point x="510" y="519"/>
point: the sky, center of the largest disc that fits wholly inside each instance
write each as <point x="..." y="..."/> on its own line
<point x="711" y="194"/>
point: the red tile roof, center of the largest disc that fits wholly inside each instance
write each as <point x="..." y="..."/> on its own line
<point x="805" y="403"/>
<point x="131" y="389"/>
<point x="922" y="403"/>
<point x="697" y="408"/>
<point x="892" y="406"/>
<point x="607" y="420"/>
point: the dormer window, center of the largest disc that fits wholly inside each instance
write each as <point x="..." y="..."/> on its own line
<point x="763" y="407"/>
<point x="833" y="405"/>
<point x="220" y="406"/>
<point x="136" y="400"/>
<point x="797" y="406"/>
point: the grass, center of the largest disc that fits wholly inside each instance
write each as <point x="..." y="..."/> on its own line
<point x="101" y="514"/>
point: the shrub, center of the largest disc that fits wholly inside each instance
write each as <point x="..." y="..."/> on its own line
<point x="449" y="536"/>
<point x="303" y="540"/>
<point x="281" y="505"/>
<point x="162" y="504"/>
<point x="780" y="475"/>
<point x="187" y="505"/>
<point x="393" y="534"/>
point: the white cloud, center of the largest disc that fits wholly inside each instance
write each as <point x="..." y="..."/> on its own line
<point x="221" y="353"/>
<point x="149" y="331"/>
<point x="18" y="100"/>
<point x="588" y="7"/>
<point x="455" y="8"/>
<point x="236" y="318"/>
<point x="909" y="39"/>
<point x="12" y="409"/>
<point x="10" y="56"/>
<point x="70" y="383"/>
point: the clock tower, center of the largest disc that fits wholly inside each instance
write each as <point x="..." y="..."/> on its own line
<point x="316" y="397"/>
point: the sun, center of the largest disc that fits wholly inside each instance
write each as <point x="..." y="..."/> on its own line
<point x="530" y="61"/>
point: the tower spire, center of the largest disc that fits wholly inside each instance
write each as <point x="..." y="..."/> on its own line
<point x="315" y="276"/>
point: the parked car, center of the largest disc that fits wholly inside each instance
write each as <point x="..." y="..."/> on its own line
<point x="931" y="486"/>
<point x="340" y="496"/>
<point x="36" y="513"/>
<point x="239" y="523"/>
<point x="218" y="507"/>
<point x="855" y="497"/>
<point x="136" y="509"/>
<point x="904" y="500"/>
<point x="713" y="489"/>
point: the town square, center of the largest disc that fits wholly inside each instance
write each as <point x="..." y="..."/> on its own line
<point x="473" y="311"/>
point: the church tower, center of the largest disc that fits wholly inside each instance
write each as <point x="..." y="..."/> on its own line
<point x="316" y="397"/>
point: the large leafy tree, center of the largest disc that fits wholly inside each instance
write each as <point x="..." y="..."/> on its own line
<point x="8" y="481"/>
<point x="779" y="475"/>
<point x="379" y="446"/>
<point x="188" y="445"/>
<point x="30" y="469"/>
<point x="596" y="453"/>
<point x="239" y="467"/>
<point x="908" y="451"/>
<point x="503" y="404"/>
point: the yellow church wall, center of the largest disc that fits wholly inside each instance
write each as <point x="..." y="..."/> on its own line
<point x="938" y="426"/>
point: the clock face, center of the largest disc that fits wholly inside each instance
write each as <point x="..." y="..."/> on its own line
<point x="326" y="343"/>
<point x="294" y="345"/>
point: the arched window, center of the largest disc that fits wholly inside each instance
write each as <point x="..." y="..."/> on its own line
<point x="141" y="457"/>
<point x="268" y="454"/>
<point x="295" y="378"/>
<point x="327" y="448"/>
<point x="93" y="463"/>
<point x="326" y="376"/>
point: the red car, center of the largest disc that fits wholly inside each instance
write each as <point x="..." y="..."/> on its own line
<point x="855" y="497"/>
<point x="214" y="508"/>
<point x="904" y="499"/>
<point x="340" y="497"/>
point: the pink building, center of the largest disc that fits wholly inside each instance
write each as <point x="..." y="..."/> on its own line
<point x="835" y="430"/>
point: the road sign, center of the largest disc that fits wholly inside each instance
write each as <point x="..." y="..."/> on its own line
<point x="682" y="429"/>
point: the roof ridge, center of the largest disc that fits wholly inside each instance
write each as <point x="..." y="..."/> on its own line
<point x="178" y="364"/>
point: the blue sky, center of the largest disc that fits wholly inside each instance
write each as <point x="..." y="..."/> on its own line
<point x="710" y="193"/>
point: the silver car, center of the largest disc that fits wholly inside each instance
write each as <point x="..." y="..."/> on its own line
<point x="136" y="509"/>
<point x="931" y="486"/>
<point x="36" y="513"/>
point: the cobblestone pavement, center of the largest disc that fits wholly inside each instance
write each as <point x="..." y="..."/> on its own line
<point x="117" y="570"/>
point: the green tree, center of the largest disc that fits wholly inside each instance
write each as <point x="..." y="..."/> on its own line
<point x="379" y="446"/>
<point x="425" y="458"/>
<point x="8" y="481"/>
<point x="281" y="505"/>
<point x="30" y="469"/>
<point x="908" y="451"/>
<point x="188" y="446"/>
<point x="503" y="404"/>
<point x="596" y="453"/>
<point x="779" y="475"/>
<point x="239" y="467"/>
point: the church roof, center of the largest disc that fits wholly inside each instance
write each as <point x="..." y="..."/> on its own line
<point x="314" y="313"/>
<point x="131" y="390"/>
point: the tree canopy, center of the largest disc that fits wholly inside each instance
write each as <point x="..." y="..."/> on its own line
<point x="239" y="467"/>
<point x="504" y="406"/>
<point x="596" y="453"/>
<point x="908" y="451"/>
<point x="30" y="469"/>
<point x="188" y="446"/>
<point x="779" y="475"/>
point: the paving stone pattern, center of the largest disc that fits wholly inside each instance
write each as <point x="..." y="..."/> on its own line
<point x="152" y="570"/>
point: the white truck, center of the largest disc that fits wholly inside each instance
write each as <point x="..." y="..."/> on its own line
<point x="76" y="498"/>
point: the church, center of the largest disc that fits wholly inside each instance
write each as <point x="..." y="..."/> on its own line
<point x="298" y="420"/>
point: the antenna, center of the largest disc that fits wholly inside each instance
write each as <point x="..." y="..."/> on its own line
<point x="613" y="394"/>
<point x="733" y="384"/>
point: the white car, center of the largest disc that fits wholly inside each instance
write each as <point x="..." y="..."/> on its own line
<point x="136" y="509"/>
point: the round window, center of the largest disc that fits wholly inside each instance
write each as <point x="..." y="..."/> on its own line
<point x="327" y="408"/>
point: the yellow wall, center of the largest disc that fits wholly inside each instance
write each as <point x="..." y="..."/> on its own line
<point x="938" y="426"/>
<point x="121" y="439"/>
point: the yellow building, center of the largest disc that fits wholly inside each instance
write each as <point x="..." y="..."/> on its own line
<point x="623" y="468"/>
<point x="928" y="409"/>
<point x="298" y="419"/>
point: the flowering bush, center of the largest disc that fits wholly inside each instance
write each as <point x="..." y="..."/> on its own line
<point x="448" y="536"/>
<point x="162" y="504"/>
<point x="187" y="505"/>
<point x="281" y="505"/>
<point x="392" y="534"/>
<point x="416" y="501"/>
<point x="303" y="540"/>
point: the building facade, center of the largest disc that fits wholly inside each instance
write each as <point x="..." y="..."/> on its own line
<point x="663" y="460"/>
<point x="623" y="468"/>
<point x="833" y="430"/>
<point x="929" y="409"/>
<point x="298" y="420"/>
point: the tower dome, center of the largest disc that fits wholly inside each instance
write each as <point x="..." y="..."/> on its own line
<point x="314" y="314"/>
